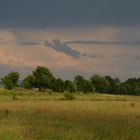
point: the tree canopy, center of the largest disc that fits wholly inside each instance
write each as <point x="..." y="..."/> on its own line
<point x="10" y="80"/>
<point x="42" y="78"/>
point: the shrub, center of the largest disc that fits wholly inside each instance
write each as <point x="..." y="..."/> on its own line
<point x="69" y="96"/>
<point x="14" y="97"/>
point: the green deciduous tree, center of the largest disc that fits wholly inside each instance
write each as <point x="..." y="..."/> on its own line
<point x="113" y="84"/>
<point x="83" y="85"/>
<point x="11" y="80"/>
<point x="59" y="85"/>
<point x="69" y="86"/>
<point x="42" y="78"/>
<point x="29" y="82"/>
<point x="100" y="83"/>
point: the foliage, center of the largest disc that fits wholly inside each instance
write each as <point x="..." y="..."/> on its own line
<point x="43" y="79"/>
<point x="113" y="84"/>
<point x="11" y="80"/>
<point x="59" y="85"/>
<point x="83" y="85"/>
<point x="100" y="83"/>
<point x="29" y="82"/>
<point x="69" y="86"/>
<point x="69" y="96"/>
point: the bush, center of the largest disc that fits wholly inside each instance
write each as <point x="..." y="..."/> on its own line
<point x="14" y="97"/>
<point x="69" y="96"/>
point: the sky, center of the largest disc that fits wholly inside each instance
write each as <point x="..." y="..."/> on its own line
<point x="71" y="37"/>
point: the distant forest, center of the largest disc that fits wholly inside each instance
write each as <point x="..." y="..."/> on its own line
<point x="43" y="79"/>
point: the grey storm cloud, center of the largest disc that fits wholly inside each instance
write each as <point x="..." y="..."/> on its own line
<point x="136" y="43"/>
<point x="62" y="47"/>
<point x="94" y="55"/>
<point x="65" y="48"/>
<point x="137" y="57"/>
<point x="45" y="13"/>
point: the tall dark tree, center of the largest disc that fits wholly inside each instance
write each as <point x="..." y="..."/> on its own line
<point x="88" y="86"/>
<point x="122" y="88"/>
<point x="83" y="85"/>
<point x="132" y="80"/>
<point x="135" y="85"/>
<point x="79" y="82"/>
<point x="59" y="85"/>
<point x="113" y="84"/>
<point x="29" y="82"/>
<point x="69" y="86"/>
<point x="100" y="83"/>
<point x="43" y="78"/>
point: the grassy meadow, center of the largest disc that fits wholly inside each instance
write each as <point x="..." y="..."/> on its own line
<point x="30" y="115"/>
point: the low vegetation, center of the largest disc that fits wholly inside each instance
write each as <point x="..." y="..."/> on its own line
<point x="69" y="96"/>
<point x="33" y="115"/>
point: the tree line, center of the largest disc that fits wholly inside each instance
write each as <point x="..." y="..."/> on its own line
<point x="42" y="78"/>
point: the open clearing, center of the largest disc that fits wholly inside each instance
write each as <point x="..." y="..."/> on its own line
<point x="42" y="116"/>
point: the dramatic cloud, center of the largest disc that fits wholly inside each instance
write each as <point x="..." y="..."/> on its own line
<point x="96" y="42"/>
<point x="54" y="13"/>
<point x="83" y="50"/>
<point x="65" y="47"/>
<point x="94" y="55"/>
<point x="62" y="47"/>
<point x="137" y="57"/>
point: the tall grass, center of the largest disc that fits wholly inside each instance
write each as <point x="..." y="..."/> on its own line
<point x="29" y="115"/>
<point x="64" y="120"/>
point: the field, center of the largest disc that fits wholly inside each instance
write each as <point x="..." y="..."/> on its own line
<point x="28" y="115"/>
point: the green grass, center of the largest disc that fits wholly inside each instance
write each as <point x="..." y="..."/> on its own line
<point x="41" y="116"/>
